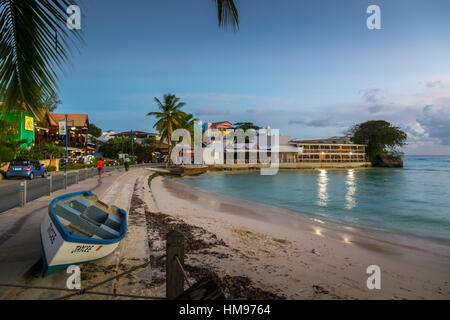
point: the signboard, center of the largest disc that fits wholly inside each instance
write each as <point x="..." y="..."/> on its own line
<point x="62" y="128"/>
<point x="29" y="123"/>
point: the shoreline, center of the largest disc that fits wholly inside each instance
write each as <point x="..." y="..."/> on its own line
<point x="399" y="237"/>
<point x="275" y="250"/>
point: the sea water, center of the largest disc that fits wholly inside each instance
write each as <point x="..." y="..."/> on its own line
<point x="414" y="200"/>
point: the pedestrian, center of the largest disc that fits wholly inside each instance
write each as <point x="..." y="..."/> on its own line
<point x="100" y="167"/>
<point x="126" y="163"/>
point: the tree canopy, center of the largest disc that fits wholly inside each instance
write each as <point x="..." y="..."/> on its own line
<point x="94" y="130"/>
<point x="245" y="126"/>
<point x="379" y="136"/>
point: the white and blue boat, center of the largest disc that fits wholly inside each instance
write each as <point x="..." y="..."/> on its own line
<point x="79" y="228"/>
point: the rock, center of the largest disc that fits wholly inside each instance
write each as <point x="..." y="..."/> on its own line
<point x="386" y="161"/>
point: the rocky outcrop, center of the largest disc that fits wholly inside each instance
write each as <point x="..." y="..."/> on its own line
<point x="387" y="161"/>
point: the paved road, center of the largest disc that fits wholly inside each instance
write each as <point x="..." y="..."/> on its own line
<point x="36" y="188"/>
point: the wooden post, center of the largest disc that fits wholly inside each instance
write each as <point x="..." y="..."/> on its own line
<point x="174" y="274"/>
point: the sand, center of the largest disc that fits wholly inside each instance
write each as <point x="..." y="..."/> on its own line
<point x="297" y="257"/>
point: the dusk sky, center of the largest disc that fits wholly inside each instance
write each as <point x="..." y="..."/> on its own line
<point x="310" y="68"/>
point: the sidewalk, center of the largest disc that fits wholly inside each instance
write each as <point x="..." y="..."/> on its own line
<point x="19" y="235"/>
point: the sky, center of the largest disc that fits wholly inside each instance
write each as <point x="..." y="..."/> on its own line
<point x="310" y="68"/>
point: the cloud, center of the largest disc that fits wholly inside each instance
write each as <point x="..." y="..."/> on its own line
<point x="434" y="84"/>
<point x="375" y="108"/>
<point x="436" y="123"/>
<point x="210" y="111"/>
<point x="371" y="96"/>
<point x="313" y="123"/>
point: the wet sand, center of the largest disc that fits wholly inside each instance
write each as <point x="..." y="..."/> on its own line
<point x="299" y="257"/>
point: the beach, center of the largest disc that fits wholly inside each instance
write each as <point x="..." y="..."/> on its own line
<point x="267" y="252"/>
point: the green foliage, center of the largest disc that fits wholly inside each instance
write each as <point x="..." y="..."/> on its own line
<point x="380" y="137"/>
<point x="94" y="130"/>
<point x="34" y="45"/>
<point x="30" y="155"/>
<point x="51" y="103"/>
<point x="113" y="147"/>
<point x="52" y="151"/>
<point x="246" y="126"/>
<point x="9" y="146"/>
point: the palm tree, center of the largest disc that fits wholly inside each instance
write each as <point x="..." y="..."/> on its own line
<point x="34" y="45"/>
<point x="187" y="122"/>
<point x="227" y="13"/>
<point x="169" y="117"/>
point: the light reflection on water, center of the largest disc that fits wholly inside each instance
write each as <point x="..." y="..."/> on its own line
<point x="414" y="199"/>
<point x="351" y="189"/>
<point x="322" y="183"/>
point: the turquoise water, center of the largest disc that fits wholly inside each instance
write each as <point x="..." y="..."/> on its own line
<point x="415" y="200"/>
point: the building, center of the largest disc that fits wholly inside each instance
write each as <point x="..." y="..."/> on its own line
<point x="24" y="124"/>
<point x="139" y="136"/>
<point x="223" y="126"/>
<point x="78" y="136"/>
<point x="329" y="150"/>
<point x="106" y="136"/>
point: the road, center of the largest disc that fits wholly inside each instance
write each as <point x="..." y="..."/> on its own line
<point x="36" y="188"/>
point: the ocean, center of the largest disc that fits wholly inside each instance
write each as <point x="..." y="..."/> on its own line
<point x="414" y="200"/>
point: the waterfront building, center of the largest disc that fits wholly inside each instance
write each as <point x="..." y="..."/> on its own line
<point x="329" y="150"/>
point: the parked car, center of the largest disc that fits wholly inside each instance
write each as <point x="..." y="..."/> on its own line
<point x="26" y="169"/>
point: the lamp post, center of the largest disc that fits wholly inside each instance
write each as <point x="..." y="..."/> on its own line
<point x="132" y="144"/>
<point x="67" y="141"/>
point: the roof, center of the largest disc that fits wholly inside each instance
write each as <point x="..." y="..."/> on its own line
<point x="161" y="145"/>
<point x="219" y="125"/>
<point x="137" y="133"/>
<point x="81" y="120"/>
<point x="332" y="140"/>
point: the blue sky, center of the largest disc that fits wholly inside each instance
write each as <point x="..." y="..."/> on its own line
<point x="310" y="68"/>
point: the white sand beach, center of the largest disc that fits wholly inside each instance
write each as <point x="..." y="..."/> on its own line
<point x="274" y="249"/>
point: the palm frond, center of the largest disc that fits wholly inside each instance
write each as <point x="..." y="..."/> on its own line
<point x="35" y="44"/>
<point x="227" y="13"/>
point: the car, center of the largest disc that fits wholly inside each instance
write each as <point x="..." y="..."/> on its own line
<point x="26" y="169"/>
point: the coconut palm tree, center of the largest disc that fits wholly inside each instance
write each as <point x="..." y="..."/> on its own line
<point x="227" y="13"/>
<point x="34" y="45"/>
<point x="169" y="116"/>
<point x="188" y="121"/>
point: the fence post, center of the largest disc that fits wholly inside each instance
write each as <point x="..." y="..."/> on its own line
<point x="174" y="274"/>
<point x="65" y="180"/>
<point x="23" y="193"/>
<point x="49" y="185"/>
<point x="77" y="178"/>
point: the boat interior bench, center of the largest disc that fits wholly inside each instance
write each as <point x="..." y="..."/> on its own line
<point x="89" y="217"/>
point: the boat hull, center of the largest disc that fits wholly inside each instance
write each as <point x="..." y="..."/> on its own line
<point x="60" y="249"/>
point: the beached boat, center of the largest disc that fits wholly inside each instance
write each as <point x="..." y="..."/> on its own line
<point x="79" y="228"/>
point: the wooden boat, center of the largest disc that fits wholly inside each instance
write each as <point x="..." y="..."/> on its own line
<point x="181" y="171"/>
<point x="79" y="228"/>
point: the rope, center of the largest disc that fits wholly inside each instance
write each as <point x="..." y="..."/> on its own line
<point x="79" y="292"/>
<point x="105" y="281"/>
<point x="182" y="270"/>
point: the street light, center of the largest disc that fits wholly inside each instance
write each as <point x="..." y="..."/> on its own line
<point x="133" y="137"/>
<point x="67" y="141"/>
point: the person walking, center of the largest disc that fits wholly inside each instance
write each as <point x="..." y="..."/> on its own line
<point x="126" y="163"/>
<point x="100" y="167"/>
